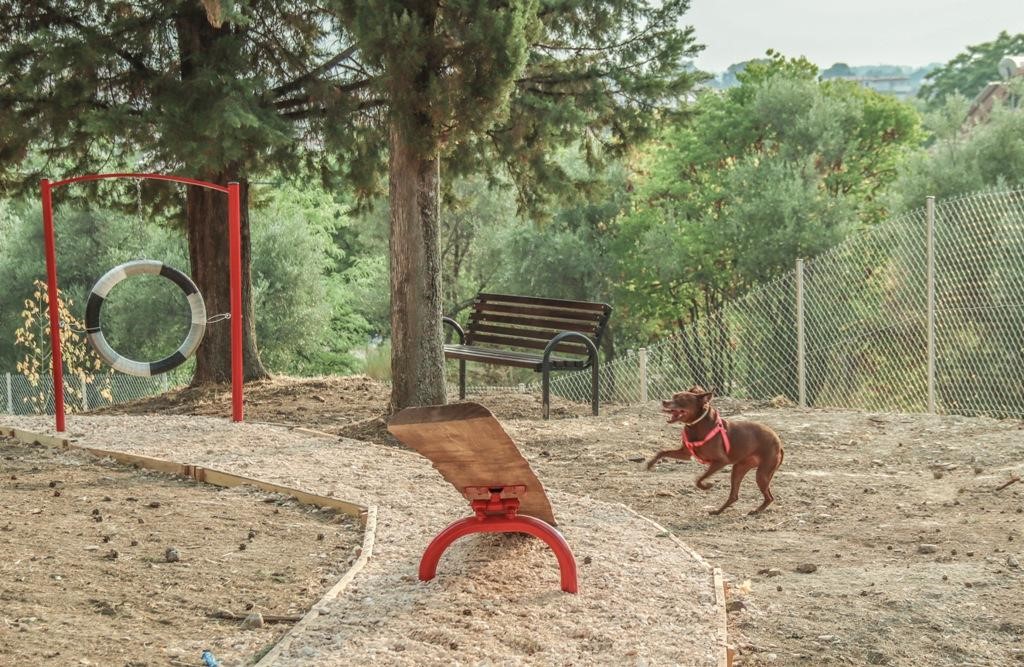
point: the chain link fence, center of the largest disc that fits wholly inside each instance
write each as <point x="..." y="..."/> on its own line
<point x="893" y="319"/>
<point x="923" y="313"/>
<point x="20" y="396"/>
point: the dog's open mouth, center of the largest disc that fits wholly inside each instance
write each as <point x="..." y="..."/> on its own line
<point x="674" y="415"/>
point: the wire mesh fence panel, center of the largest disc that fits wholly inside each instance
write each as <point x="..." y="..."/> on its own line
<point x="865" y="320"/>
<point x="979" y="259"/>
<point x="866" y="324"/>
<point x="36" y="398"/>
<point x="866" y="329"/>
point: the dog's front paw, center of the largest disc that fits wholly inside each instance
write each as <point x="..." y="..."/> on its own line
<point x="705" y="486"/>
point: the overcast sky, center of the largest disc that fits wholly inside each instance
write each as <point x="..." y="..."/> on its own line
<point x="857" y="32"/>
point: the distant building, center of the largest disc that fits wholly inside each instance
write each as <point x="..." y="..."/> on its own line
<point x="901" y="87"/>
<point x="1010" y="67"/>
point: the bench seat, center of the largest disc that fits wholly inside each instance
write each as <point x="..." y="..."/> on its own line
<point x="538" y="333"/>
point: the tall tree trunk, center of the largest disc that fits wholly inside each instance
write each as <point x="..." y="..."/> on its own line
<point x="207" y="215"/>
<point x="209" y="253"/>
<point x="417" y="354"/>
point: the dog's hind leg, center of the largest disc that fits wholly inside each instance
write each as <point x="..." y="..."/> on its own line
<point x="739" y="471"/>
<point x="765" y="472"/>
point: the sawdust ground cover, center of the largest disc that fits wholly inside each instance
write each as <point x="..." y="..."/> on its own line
<point x="916" y="552"/>
<point x="86" y="575"/>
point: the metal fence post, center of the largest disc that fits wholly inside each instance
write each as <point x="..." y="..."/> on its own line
<point x="930" y="211"/>
<point x="10" y="396"/>
<point x="801" y="366"/>
<point x="643" y="374"/>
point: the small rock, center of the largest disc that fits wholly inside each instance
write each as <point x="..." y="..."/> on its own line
<point x="735" y="605"/>
<point x="937" y="474"/>
<point x="107" y="499"/>
<point x="927" y="548"/>
<point x="806" y="568"/>
<point x="154" y="504"/>
<point x="778" y="588"/>
<point x="241" y="547"/>
<point x="111" y="555"/>
<point x="53" y="484"/>
<point x="172" y="555"/>
<point x="1012" y="562"/>
<point x="135" y="543"/>
<point x="636" y="459"/>
<point x="253" y="621"/>
<point x="320" y="537"/>
<point x="587" y="560"/>
<point x="978" y="470"/>
<point x="770" y="572"/>
<point x="56" y="494"/>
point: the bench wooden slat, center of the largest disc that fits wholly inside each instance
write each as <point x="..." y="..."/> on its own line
<point x="508" y="357"/>
<point x="541" y="301"/>
<point x="539" y="311"/>
<point x="567" y="347"/>
<point x="552" y="326"/>
<point x="540" y="334"/>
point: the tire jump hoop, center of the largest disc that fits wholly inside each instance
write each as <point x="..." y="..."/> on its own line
<point x="233" y="191"/>
<point x="138" y="268"/>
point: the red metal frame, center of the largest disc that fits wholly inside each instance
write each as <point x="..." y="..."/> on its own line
<point x="496" y="510"/>
<point x="235" y="242"/>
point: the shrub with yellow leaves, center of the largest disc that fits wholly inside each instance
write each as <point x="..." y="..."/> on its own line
<point x="82" y="366"/>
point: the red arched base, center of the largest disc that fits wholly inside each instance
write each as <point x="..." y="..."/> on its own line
<point x="505" y="520"/>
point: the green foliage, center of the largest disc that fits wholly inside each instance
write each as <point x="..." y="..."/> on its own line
<point x="781" y="166"/>
<point x="306" y="318"/>
<point x="958" y="163"/>
<point x="969" y="72"/>
<point x="89" y="84"/>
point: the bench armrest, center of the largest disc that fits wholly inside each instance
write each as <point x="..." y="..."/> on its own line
<point x="565" y="335"/>
<point x="458" y="329"/>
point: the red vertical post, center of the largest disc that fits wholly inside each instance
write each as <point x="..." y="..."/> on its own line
<point x="235" y="241"/>
<point x="51" y="292"/>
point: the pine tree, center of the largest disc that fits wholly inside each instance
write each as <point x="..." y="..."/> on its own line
<point x="202" y="89"/>
<point x="485" y="86"/>
<point x="349" y="89"/>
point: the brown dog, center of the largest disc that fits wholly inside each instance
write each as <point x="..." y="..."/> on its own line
<point x="711" y="441"/>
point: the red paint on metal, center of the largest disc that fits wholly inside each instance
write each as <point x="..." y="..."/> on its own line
<point x="152" y="177"/>
<point x="50" y="245"/>
<point x="499" y="514"/>
<point x="235" y="243"/>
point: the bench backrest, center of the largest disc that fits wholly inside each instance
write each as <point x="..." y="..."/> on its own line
<point x="506" y="320"/>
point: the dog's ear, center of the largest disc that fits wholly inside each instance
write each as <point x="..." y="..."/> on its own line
<point x="695" y="389"/>
<point x="705" y="397"/>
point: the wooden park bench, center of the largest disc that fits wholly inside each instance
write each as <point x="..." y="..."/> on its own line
<point x="531" y="332"/>
<point x="472" y="452"/>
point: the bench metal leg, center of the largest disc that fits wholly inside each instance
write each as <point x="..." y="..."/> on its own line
<point x="462" y="378"/>
<point x="595" y="393"/>
<point x="545" y="391"/>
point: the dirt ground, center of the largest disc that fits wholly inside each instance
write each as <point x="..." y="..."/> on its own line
<point x="86" y="577"/>
<point x="916" y="555"/>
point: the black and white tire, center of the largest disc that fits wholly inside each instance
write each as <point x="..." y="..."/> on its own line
<point x="139" y="268"/>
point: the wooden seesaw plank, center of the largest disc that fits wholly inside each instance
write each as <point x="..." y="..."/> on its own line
<point x="469" y="448"/>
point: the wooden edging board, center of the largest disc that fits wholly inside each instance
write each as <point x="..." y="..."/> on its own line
<point x="369" y="536"/>
<point x="198" y="473"/>
<point x="725" y="653"/>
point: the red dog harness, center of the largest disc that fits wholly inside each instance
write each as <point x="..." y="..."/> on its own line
<point x="692" y="446"/>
